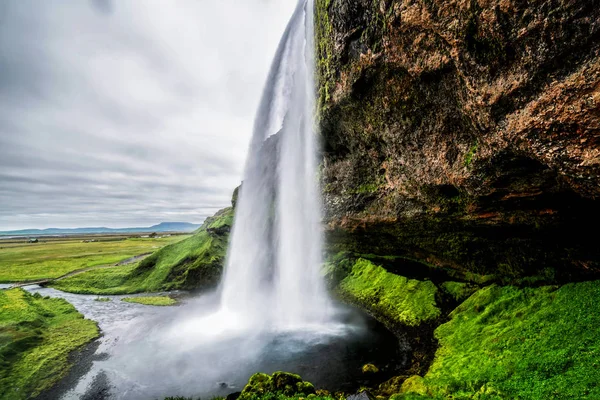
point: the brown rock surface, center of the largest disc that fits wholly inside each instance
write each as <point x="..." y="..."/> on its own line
<point x="464" y="134"/>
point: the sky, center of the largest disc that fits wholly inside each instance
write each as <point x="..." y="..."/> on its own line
<point x="130" y="112"/>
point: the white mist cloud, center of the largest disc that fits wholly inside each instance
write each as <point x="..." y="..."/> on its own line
<point x="128" y="112"/>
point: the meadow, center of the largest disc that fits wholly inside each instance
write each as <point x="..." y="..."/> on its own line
<point x="36" y="336"/>
<point x="22" y="261"/>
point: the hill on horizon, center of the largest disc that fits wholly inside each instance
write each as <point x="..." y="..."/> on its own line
<point x="161" y="227"/>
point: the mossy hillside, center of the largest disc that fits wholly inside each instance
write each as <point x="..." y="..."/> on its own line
<point x="36" y="336"/>
<point x="152" y="300"/>
<point x="389" y="297"/>
<point x="518" y="343"/>
<point x="193" y="263"/>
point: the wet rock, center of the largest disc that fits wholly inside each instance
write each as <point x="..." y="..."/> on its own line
<point x="233" y="396"/>
<point x="364" y="395"/>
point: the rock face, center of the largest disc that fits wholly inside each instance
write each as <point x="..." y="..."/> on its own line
<point x="463" y="134"/>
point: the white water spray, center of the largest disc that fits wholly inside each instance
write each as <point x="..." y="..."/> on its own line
<point x="272" y="274"/>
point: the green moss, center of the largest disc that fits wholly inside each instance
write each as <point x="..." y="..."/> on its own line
<point x="532" y="343"/>
<point x="393" y="298"/>
<point x="279" y="384"/>
<point x="370" y="369"/>
<point x="195" y="262"/>
<point x="415" y="385"/>
<point x="470" y="154"/>
<point x="36" y="336"/>
<point x="324" y="51"/>
<point x="459" y="291"/>
<point x="152" y="300"/>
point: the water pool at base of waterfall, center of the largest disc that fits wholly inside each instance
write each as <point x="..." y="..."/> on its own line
<point x="148" y="352"/>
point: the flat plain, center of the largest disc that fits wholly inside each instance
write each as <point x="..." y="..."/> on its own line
<point x="52" y="257"/>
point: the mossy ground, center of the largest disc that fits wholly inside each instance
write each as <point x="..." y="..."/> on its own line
<point x="517" y="343"/>
<point x="193" y="263"/>
<point x="532" y="343"/>
<point x="36" y="336"/>
<point x="388" y="296"/>
<point x="152" y="300"/>
<point x="501" y="342"/>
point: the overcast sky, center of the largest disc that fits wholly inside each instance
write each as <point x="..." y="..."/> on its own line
<point x="129" y="112"/>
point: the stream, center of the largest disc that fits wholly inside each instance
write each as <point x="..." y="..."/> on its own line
<point x="149" y="352"/>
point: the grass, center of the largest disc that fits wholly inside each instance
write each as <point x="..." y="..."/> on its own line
<point x="36" y="336"/>
<point x="53" y="258"/>
<point x="100" y="281"/>
<point x="192" y="263"/>
<point x="513" y="343"/>
<point x="388" y="296"/>
<point x="152" y="300"/>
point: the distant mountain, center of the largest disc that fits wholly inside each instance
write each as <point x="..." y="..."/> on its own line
<point x="162" y="227"/>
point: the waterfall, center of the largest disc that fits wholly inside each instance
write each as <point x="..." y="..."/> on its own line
<point x="272" y="273"/>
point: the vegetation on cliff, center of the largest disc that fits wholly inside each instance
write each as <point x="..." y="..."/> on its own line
<point x="37" y="334"/>
<point x="193" y="263"/>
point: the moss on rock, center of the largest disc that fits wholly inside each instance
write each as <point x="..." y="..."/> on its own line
<point x="370" y="369"/>
<point x="280" y="383"/>
<point x="459" y="291"/>
<point x="391" y="298"/>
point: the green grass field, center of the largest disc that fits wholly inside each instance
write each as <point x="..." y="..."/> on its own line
<point x="36" y="336"/>
<point x="51" y="258"/>
<point x="152" y="300"/>
<point x="193" y="263"/>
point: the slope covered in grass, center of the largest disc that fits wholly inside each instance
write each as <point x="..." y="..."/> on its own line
<point x="518" y="343"/>
<point x="36" y="336"/>
<point x="195" y="262"/>
<point x="388" y="296"/>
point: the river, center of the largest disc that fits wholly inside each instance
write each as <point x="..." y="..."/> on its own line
<point x="148" y="352"/>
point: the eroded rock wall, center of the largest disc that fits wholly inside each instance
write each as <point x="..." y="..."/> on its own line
<point x="463" y="134"/>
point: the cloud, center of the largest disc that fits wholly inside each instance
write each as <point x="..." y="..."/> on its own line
<point x="131" y="112"/>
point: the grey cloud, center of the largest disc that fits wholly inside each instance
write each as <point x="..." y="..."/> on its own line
<point x="130" y="112"/>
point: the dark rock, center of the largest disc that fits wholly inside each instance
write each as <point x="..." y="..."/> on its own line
<point x="233" y="396"/>
<point x="364" y="395"/>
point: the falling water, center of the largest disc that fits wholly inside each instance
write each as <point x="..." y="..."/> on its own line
<point x="273" y="264"/>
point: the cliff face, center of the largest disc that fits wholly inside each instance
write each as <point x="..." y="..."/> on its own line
<point x="464" y="134"/>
